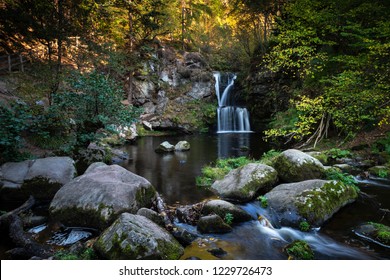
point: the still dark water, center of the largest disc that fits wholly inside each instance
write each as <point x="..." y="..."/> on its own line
<point x="173" y="175"/>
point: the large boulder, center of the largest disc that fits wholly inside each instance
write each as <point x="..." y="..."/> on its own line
<point x="314" y="201"/>
<point x="41" y="178"/>
<point x="134" y="237"/>
<point x="244" y="183"/>
<point x="223" y="208"/>
<point x="98" y="197"/>
<point x="295" y="166"/>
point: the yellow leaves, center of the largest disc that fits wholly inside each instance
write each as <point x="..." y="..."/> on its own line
<point x="385" y="120"/>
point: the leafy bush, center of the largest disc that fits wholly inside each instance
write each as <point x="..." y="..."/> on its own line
<point x="89" y="102"/>
<point x="15" y="121"/>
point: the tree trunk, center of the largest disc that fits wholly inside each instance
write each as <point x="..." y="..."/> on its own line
<point x="183" y="9"/>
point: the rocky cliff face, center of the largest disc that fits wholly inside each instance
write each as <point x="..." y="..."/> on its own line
<point x="268" y="93"/>
<point x="176" y="91"/>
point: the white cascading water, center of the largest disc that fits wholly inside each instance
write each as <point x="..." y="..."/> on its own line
<point x="230" y="117"/>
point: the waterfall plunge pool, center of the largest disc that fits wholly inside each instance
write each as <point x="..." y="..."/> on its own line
<point x="174" y="175"/>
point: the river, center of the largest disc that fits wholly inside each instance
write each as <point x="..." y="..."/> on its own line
<point x="174" y="175"/>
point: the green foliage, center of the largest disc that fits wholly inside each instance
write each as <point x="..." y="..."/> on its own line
<point x="382" y="145"/>
<point x="382" y="232"/>
<point x="337" y="175"/>
<point x="339" y="57"/>
<point x="228" y="218"/>
<point x="306" y="112"/>
<point x="304" y="226"/>
<point x="218" y="170"/>
<point x="263" y="201"/>
<point x="90" y="102"/>
<point x="383" y="173"/>
<point x="268" y="157"/>
<point x="300" y="250"/>
<point x="87" y="254"/>
<point x="336" y="153"/>
<point x="14" y="122"/>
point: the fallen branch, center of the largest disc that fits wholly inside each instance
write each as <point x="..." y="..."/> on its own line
<point x="162" y="211"/>
<point x="24" y="207"/>
<point x="25" y="246"/>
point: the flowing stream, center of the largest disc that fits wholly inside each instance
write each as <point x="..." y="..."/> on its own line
<point x="174" y="175"/>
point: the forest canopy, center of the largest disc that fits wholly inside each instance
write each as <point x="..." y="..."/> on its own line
<point x="332" y="56"/>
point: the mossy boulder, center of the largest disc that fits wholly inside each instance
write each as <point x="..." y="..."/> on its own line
<point x="151" y="215"/>
<point x="223" y="208"/>
<point x="374" y="232"/>
<point x="41" y="178"/>
<point x="98" y="197"/>
<point x="299" y="250"/>
<point x="134" y="237"/>
<point x="295" y="166"/>
<point x="213" y="224"/>
<point x="244" y="183"/>
<point x="314" y="201"/>
<point x="380" y="171"/>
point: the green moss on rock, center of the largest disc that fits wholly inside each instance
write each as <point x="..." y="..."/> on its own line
<point x="318" y="205"/>
<point x="295" y="166"/>
<point x="382" y="233"/>
<point x="40" y="187"/>
<point x="299" y="250"/>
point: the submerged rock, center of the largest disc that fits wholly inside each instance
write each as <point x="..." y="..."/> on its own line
<point x="223" y="208"/>
<point x="295" y="166"/>
<point x="213" y="224"/>
<point x="98" y="197"/>
<point x="41" y="178"/>
<point x="314" y="201"/>
<point x="134" y="237"/>
<point x="244" y="183"/>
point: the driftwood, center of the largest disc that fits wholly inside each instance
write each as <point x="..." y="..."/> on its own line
<point x="163" y="212"/>
<point x="24" y="207"/>
<point x="26" y="246"/>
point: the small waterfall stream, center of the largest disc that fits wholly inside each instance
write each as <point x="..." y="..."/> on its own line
<point x="231" y="118"/>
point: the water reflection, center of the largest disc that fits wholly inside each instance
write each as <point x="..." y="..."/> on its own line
<point x="234" y="144"/>
<point x="173" y="174"/>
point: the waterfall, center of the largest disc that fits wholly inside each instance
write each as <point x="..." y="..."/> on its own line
<point x="231" y="118"/>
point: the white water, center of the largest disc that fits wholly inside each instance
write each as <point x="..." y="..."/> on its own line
<point x="230" y="117"/>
